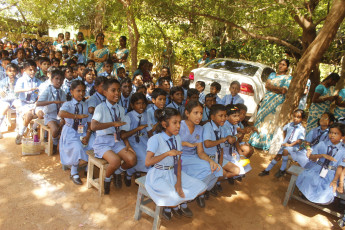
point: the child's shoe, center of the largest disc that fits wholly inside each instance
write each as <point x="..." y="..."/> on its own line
<point x="231" y="180"/>
<point x="106" y="187"/>
<point x="280" y="173"/>
<point x="213" y="191"/>
<point x="166" y="215"/>
<point x="176" y="213"/>
<point x="117" y="181"/>
<point x="186" y="212"/>
<point x="127" y="181"/>
<point x="264" y="173"/>
<point x="219" y="187"/>
<point x="200" y="200"/>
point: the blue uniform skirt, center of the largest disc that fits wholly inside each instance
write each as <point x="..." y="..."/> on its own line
<point x="71" y="148"/>
<point x="160" y="185"/>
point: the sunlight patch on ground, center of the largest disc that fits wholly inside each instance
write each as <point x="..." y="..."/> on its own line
<point x="263" y="201"/>
<point x="98" y="217"/>
<point x="2" y="165"/>
<point x="112" y="210"/>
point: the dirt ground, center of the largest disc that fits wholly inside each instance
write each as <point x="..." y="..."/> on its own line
<point x="35" y="193"/>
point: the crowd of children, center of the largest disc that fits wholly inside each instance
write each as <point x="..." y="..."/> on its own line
<point x="184" y="140"/>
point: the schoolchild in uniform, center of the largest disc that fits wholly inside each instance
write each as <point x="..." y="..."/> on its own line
<point x="81" y="68"/>
<point x="233" y="97"/>
<point x="7" y="94"/>
<point x="52" y="98"/>
<point x="166" y="183"/>
<point x="107" y="69"/>
<point x="137" y="82"/>
<point x="149" y="87"/>
<point x="316" y="182"/>
<point x="244" y="127"/>
<point x="215" y="88"/>
<point x="126" y="90"/>
<point x="76" y="132"/>
<point x="106" y="121"/>
<point x="136" y="133"/>
<point x="90" y="64"/>
<point x="238" y="151"/>
<point x="27" y="89"/>
<point x="214" y="142"/>
<point x="315" y="136"/>
<point x="195" y="162"/>
<point x="176" y="96"/>
<point x="98" y="97"/>
<point x="210" y="100"/>
<point x="200" y="86"/>
<point x="89" y="75"/>
<point x="192" y="95"/>
<point x="4" y="63"/>
<point x="164" y="84"/>
<point x="68" y="74"/>
<point x="44" y="64"/>
<point x="158" y="99"/>
<point x="121" y="74"/>
<point x="294" y="135"/>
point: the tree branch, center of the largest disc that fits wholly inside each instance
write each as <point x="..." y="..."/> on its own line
<point x="319" y="21"/>
<point x="9" y="6"/>
<point x="253" y="35"/>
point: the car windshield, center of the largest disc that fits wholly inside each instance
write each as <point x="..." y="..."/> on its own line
<point x="233" y="66"/>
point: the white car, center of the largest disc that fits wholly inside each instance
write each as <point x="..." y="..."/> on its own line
<point x="251" y="75"/>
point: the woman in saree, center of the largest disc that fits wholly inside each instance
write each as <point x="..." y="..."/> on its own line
<point x="339" y="110"/>
<point x="121" y="54"/>
<point x="99" y="53"/>
<point x="81" y="40"/>
<point x="323" y="97"/>
<point x="268" y="114"/>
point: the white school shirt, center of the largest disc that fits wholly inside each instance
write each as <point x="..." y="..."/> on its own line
<point x="26" y="82"/>
<point x="104" y="113"/>
<point x="297" y="135"/>
<point x="50" y="94"/>
<point x="226" y="100"/>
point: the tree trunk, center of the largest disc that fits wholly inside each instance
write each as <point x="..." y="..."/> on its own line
<point x="310" y="58"/>
<point x="341" y="83"/>
<point x="132" y="32"/>
<point x="99" y="18"/>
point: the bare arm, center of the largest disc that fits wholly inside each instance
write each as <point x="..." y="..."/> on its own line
<point x="65" y="114"/>
<point x="275" y="89"/>
<point x="127" y="134"/>
<point x="151" y="159"/>
<point x="95" y="125"/>
<point x="44" y="103"/>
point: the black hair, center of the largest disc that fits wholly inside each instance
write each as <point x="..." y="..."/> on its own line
<point x="136" y="97"/>
<point x="191" y="92"/>
<point x="331" y="118"/>
<point x="124" y="38"/>
<point x="142" y="62"/>
<point x="80" y="33"/>
<point x="141" y="87"/>
<point x="75" y="68"/>
<point x="158" y="92"/>
<point x="191" y="105"/>
<point x="213" y="49"/>
<point x="216" y="85"/>
<point x="235" y="83"/>
<point x="44" y="59"/>
<point x="333" y="76"/>
<point x="301" y="111"/>
<point x="65" y="68"/>
<point x="162" y="80"/>
<point x="71" y="62"/>
<point x="164" y="115"/>
<point x="109" y="82"/>
<point x="148" y="84"/>
<point x="118" y="69"/>
<point x="109" y="62"/>
<point x="29" y="63"/>
<point x="286" y="61"/>
<point x="185" y="82"/>
<point x="242" y="107"/>
<point x="52" y="68"/>
<point x="201" y="83"/>
<point x="100" y="80"/>
<point x="13" y="66"/>
<point x="176" y="89"/>
<point x="67" y="33"/>
<point x="168" y="70"/>
<point x="75" y="84"/>
<point x="57" y="72"/>
<point x="87" y="70"/>
<point x="340" y="127"/>
<point x="210" y="95"/>
<point x="61" y="34"/>
<point x="80" y="65"/>
<point x="5" y="52"/>
<point x="20" y="49"/>
<point x="126" y="80"/>
<point x="81" y="45"/>
<point x="64" y="47"/>
<point x="231" y="109"/>
<point x="99" y="35"/>
<point x="207" y="53"/>
<point x="55" y="60"/>
<point x="6" y="59"/>
<point x="216" y="108"/>
<point x="88" y="61"/>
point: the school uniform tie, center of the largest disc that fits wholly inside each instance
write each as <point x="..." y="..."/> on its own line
<point x="58" y="99"/>
<point x="218" y="146"/>
<point x="330" y="153"/>
<point x="173" y="146"/>
<point x="317" y="139"/>
<point x="116" y="119"/>
<point x="76" y="121"/>
<point x="232" y="100"/>
<point x="126" y="100"/>
<point x="292" y="134"/>
<point x="137" y="136"/>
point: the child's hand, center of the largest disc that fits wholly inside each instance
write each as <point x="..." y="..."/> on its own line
<point x="188" y="144"/>
<point x="85" y="140"/>
<point x="81" y="116"/>
<point x="328" y="157"/>
<point x="231" y="139"/>
<point x="174" y="152"/>
<point x="179" y="190"/>
<point x="141" y="127"/>
<point x="286" y="145"/>
<point x="58" y="102"/>
<point x="214" y="166"/>
<point x="333" y="185"/>
<point x="118" y="123"/>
